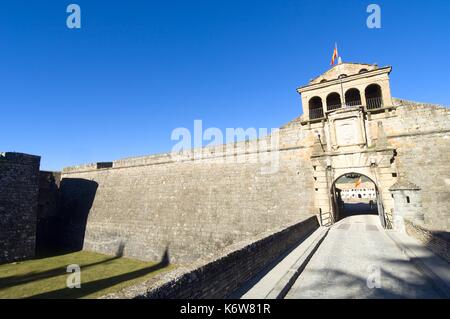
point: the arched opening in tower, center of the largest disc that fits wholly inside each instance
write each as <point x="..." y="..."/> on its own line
<point x="315" y="108"/>
<point x="333" y="101"/>
<point x="353" y="97"/>
<point x="354" y="194"/>
<point x="374" y="98"/>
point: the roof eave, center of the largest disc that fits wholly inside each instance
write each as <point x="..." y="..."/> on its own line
<point x="308" y="87"/>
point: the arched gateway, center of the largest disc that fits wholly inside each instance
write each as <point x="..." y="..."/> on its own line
<point x="341" y="148"/>
<point x="356" y="194"/>
<point x="346" y="142"/>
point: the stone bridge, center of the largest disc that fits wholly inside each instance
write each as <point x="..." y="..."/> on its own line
<point x="354" y="258"/>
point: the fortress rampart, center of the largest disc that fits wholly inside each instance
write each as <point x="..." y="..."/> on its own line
<point x="194" y="204"/>
<point x="19" y="190"/>
<point x="192" y="207"/>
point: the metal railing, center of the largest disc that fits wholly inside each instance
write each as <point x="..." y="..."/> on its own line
<point x="371" y="104"/>
<point x="315" y="113"/>
<point x="326" y="219"/>
<point x="374" y="103"/>
<point x="334" y="107"/>
<point x="353" y="103"/>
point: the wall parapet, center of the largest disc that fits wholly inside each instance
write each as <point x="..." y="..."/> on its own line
<point x="20" y="158"/>
<point x="244" y="148"/>
<point x="436" y="241"/>
<point x="417" y="105"/>
<point x="220" y="276"/>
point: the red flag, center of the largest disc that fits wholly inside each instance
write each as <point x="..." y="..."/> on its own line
<point x="358" y="182"/>
<point x="335" y="55"/>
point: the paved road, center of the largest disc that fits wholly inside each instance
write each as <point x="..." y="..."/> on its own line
<point x="357" y="251"/>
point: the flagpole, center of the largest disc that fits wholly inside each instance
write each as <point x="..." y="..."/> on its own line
<point x="339" y="77"/>
<point x="342" y="87"/>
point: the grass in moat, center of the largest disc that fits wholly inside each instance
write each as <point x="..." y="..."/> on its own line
<point x="100" y="274"/>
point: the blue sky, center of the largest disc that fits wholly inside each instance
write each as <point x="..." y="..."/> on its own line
<point x="136" y="70"/>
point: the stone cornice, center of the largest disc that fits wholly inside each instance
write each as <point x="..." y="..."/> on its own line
<point x="349" y="78"/>
<point x="366" y="151"/>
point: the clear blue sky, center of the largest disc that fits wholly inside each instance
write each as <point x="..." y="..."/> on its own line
<point x="138" y="69"/>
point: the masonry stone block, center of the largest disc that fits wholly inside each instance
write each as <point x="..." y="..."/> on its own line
<point x="19" y="188"/>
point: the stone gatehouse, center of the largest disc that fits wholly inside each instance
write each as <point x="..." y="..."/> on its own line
<point x="194" y="206"/>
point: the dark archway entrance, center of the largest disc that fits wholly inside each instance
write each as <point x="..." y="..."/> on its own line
<point x="356" y="194"/>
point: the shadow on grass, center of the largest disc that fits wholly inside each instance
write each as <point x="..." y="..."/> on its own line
<point x="101" y="284"/>
<point x="17" y="280"/>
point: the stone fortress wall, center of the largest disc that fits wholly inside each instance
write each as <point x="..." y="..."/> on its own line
<point x="191" y="207"/>
<point x="196" y="207"/>
<point x="420" y="133"/>
<point x="194" y="204"/>
<point x="19" y="188"/>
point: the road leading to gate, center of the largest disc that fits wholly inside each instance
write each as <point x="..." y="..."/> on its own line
<point x="355" y="250"/>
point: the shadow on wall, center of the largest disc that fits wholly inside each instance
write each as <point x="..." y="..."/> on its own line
<point x="77" y="197"/>
<point x="437" y="241"/>
<point x="47" y="216"/>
